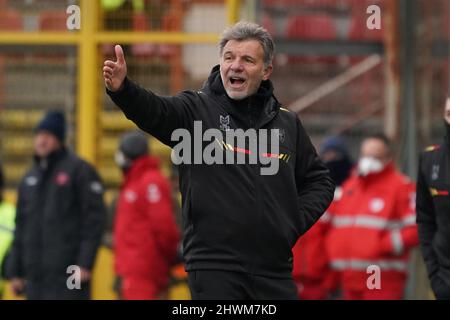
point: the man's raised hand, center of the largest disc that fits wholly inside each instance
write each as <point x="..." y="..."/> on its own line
<point x="114" y="73"/>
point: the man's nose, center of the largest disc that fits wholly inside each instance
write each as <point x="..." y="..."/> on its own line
<point x="236" y="65"/>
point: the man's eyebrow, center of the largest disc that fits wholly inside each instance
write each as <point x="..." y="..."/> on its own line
<point x="248" y="56"/>
<point x="244" y="56"/>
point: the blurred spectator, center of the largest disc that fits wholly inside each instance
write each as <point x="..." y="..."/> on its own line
<point x="335" y="155"/>
<point x="433" y="211"/>
<point x="373" y="224"/>
<point x="60" y="219"/>
<point x="145" y="233"/>
<point x="7" y="217"/>
<point x="314" y="279"/>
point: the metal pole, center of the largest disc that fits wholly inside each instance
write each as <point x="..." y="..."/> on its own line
<point x="88" y="68"/>
<point x="408" y="14"/>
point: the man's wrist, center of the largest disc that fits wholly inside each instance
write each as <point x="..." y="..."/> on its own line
<point x="121" y="88"/>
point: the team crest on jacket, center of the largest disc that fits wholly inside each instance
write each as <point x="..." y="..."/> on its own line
<point x="31" y="181"/>
<point x="130" y="196"/>
<point x="62" y="178"/>
<point x="224" y="123"/>
<point x="376" y="205"/>
<point x="153" y="193"/>
<point x="281" y="134"/>
<point x="96" y="187"/>
<point x="435" y="172"/>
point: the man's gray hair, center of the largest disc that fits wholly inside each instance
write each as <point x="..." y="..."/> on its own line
<point x="249" y="31"/>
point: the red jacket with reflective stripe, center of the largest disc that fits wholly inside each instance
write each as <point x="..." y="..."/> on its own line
<point x="310" y="259"/>
<point x="145" y="233"/>
<point x="373" y="223"/>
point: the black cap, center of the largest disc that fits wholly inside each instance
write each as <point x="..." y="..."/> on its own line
<point x="53" y="122"/>
<point x="134" y="144"/>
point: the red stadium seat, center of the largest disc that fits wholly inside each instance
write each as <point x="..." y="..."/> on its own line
<point x="141" y="23"/>
<point x="358" y="28"/>
<point x="10" y="20"/>
<point x="170" y="22"/>
<point x="267" y="23"/>
<point x="53" y="21"/>
<point x="312" y="27"/>
<point x="358" y="31"/>
<point x="308" y="3"/>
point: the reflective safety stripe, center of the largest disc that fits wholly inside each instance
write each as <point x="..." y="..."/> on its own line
<point x="362" y="265"/>
<point x="397" y="242"/>
<point x="325" y="218"/>
<point x="409" y="220"/>
<point x="372" y="222"/>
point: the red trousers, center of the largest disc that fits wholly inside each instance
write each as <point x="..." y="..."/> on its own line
<point x="311" y="290"/>
<point x="139" y="288"/>
<point x="375" y="294"/>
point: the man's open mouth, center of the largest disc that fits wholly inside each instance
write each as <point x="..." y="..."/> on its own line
<point x="237" y="81"/>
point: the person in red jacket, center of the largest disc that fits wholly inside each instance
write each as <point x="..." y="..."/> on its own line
<point x="372" y="226"/>
<point x="145" y="233"/>
<point x="311" y="272"/>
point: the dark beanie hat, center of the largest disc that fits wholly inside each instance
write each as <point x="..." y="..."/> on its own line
<point x="134" y="144"/>
<point x="335" y="143"/>
<point x="55" y="123"/>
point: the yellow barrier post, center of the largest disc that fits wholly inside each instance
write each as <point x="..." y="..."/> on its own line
<point x="88" y="73"/>
<point x="233" y="11"/>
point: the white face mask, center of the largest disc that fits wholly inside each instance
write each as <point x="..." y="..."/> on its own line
<point x="367" y="165"/>
<point x="121" y="160"/>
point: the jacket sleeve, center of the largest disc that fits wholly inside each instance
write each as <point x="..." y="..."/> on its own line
<point x="93" y="214"/>
<point x="401" y="238"/>
<point x="315" y="187"/>
<point x="426" y="222"/>
<point x="14" y="263"/>
<point x="157" y="204"/>
<point x="154" y="114"/>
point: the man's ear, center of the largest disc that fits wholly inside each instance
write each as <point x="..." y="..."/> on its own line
<point x="267" y="72"/>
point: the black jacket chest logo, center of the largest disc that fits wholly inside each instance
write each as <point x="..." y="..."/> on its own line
<point x="281" y="134"/>
<point x="435" y="172"/>
<point x="62" y="179"/>
<point x="224" y="123"/>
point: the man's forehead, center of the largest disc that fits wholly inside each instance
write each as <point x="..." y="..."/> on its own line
<point x="249" y="46"/>
<point x="371" y="145"/>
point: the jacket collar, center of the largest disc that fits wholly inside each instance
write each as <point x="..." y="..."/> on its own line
<point x="140" y="165"/>
<point x="264" y="100"/>
<point x="50" y="161"/>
